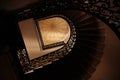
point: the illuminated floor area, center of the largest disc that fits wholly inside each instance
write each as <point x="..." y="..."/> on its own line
<point x="52" y="31"/>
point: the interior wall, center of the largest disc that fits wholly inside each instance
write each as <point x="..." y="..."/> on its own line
<point x="109" y="67"/>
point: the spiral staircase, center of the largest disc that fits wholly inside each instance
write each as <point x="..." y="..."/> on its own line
<point x="83" y="57"/>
